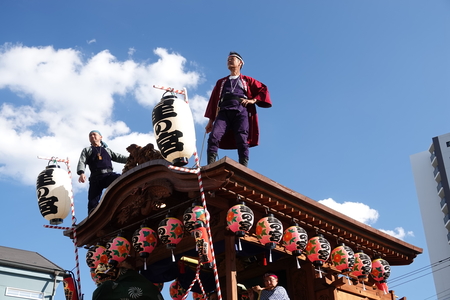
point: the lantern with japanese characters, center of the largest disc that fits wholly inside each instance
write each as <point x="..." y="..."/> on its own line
<point x="203" y="244"/>
<point x="193" y="215"/>
<point x="70" y="287"/>
<point x="343" y="258"/>
<point x="95" y="277"/>
<point x="295" y="239"/>
<point x="96" y="255"/>
<point x="118" y="250"/>
<point x="144" y="242"/>
<point x="174" y="129"/>
<point x="176" y="291"/>
<point x="362" y="266"/>
<point x="269" y="231"/>
<point x="54" y="193"/>
<point x="318" y="251"/>
<point x="240" y="219"/>
<point x="381" y="270"/>
<point x="170" y="232"/>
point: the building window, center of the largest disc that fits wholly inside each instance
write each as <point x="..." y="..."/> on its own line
<point x="25" y="294"/>
<point x="448" y="144"/>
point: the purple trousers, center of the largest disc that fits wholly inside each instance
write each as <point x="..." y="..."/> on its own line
<point x="230" y="119"/>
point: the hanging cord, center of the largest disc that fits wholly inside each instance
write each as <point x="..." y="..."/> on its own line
<point x="203" y="146"/>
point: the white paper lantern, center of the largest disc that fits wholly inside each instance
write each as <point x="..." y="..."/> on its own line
<point x="174" y="129"/>
<point x="54" y="193"/>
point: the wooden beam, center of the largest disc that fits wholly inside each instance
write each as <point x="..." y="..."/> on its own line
<point x="230" y="268"/>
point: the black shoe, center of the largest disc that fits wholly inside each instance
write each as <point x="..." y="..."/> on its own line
<point x="243" y="161"/>
<point x="211" y="157"/>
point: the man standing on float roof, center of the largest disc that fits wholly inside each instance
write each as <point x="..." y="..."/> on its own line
<point x="233" y="122"/>
<point x="99" y="159"/>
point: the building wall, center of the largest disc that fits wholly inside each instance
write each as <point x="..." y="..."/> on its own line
<point x="432" y="215"/>
<point x="27" y="280"/>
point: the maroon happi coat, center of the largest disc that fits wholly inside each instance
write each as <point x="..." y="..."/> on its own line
<point x="254" y="90"/>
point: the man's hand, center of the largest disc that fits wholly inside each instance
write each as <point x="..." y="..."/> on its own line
<point x="246" y="102"/>
<point x="209" y="126"/>
<point x="82" y="178"/>
<point x="257" y="288"/>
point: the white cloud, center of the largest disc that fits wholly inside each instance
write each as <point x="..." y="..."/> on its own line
<point x="363" y="213"/>
<point x="131" y="51"/>
<point x="64" y="95"/>
<point x="398" y="232"/>
<point x="356" y="210"/>
<point x="91" y="41"/>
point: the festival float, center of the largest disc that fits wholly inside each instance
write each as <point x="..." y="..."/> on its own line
<point x="205" y="242"/>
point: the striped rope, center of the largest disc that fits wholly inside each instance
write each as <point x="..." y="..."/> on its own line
<point x="169" y="89"/>
<point x="187" y="170"/>
<point x="57" y="227"/>
<point x="207" y="225"/>
<point x="208" y="228"/>
<point x="197" y="278"/>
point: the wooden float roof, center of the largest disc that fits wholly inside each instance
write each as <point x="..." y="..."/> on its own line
<point x="228" y="179"/>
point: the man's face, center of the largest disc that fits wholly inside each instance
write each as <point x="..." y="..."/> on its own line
<point x="234" y="62"/>
<point x="95" y="138"/>
<point x="270" y="282"/>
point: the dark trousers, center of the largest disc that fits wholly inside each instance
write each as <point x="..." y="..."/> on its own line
<point x="96" y="185"/>
<point x="230" y="119"/>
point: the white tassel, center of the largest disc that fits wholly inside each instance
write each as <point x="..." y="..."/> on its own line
<point x="173" y="256"/>
<point x="298" y="263"/>
<point x="239" y="244"/>
<point x="270" y="255"/>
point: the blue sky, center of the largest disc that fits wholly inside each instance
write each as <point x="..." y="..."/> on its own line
<point x="357" y="87"/>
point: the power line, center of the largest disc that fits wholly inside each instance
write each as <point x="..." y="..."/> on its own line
<point x="423" y="275"/>
<point x="412" y="273"/>
<point x="448" y="294"/>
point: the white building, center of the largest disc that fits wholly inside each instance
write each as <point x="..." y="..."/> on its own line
<point x="431" y="170"/>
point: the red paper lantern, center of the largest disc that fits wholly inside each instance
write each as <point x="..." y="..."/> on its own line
<point x="118" y="250"/>
<point x="318" y="250"/>
<point x="343" y="258"/>
<point x="295" y="239"/>
<point x="144" y="242"/>
<point x="381" y="270"/>
<point x="269" y="231"/>
<point x="170" y="232"/>
<point x="70" y="287"/>
<point x="54" y="193"/>
<point x="173" y="125"/>
<point x="96" y="255"/>
<point x="192" y="216"/>
<point x="363" y="265"/>
<point x="176" y="291"/>
<point x="240" y="219"/>
<point x="95" y="277"/>
<point x="202" y="241"/>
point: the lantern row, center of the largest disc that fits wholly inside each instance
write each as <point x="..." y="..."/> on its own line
<point x="269" y="232"/>
<point x="240" y="219"/>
